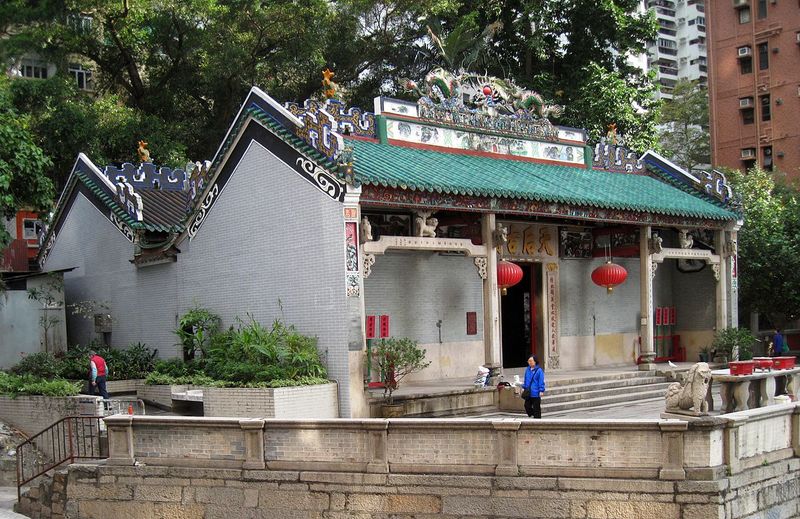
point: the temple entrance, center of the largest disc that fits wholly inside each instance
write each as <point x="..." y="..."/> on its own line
<point x="521" y="310"/>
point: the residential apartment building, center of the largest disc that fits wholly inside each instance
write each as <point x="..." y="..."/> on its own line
<point x="32" y="66"/>
<point x="754" y="51"/>
<point x="679" y="51"/>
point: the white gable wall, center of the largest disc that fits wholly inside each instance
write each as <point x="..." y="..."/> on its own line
<point x="272" y="239"/>
<point x="142" y="301"/>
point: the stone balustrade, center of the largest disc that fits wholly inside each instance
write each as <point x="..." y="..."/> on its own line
<point x="644" y="449"/>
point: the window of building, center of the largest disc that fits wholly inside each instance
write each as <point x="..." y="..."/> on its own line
<point x="33" y="69"/>
<point x="31" y="229"/>
<point x="746" y="65"/>
<point x="748" y="116"/>
<point x="762" y="9"/>
<point x="744" y="15"/>
<point x="79" y="22"/>
<point x="766" y="152"/>
<point x="765" y="108"/>
<point x="763" y="56"/>
<point x="82" y="76"/>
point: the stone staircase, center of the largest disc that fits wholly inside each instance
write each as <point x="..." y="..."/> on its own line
<point x="594" y="391"/>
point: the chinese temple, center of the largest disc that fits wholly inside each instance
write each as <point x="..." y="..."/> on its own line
<point x="411" y="220"/>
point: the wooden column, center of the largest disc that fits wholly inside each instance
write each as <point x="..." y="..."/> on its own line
<point x="491" y="299"/>
<point x="647" y="350"/>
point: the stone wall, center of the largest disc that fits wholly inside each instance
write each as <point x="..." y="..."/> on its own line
<point x="100" y="492"/>
<point x="744" y="465"/>
<point x="31" y="414"/>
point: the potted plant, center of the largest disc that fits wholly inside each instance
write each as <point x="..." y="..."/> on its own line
<point x="733" y="343"/>
<point x="705" y="353"/>
<point x="397" y="357"/>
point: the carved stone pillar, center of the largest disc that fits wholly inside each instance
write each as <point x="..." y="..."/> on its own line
<point x="491" y="299"/>
<point x="378" y="447"/>
<point x="253" y="444"/>
<point x="721" y="275"/>
<point x="120" y="440"/>
<point x="672" y="450"/>
<point x="730" y="259"/>
<point x="647" y="352"/>
<point x="506" y="448"/>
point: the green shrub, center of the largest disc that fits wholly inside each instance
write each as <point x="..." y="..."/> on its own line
<point x="14" y="385"/>
<point x="731" y="340"/>
<point x="195" y="330"/>
<point x="42" y="365"/>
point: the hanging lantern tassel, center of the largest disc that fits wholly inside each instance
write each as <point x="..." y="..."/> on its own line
<point x="609" y="275"/>
<point x="508" y="275"/>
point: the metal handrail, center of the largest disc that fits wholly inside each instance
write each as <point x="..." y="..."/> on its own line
<point x="69" y="439"/>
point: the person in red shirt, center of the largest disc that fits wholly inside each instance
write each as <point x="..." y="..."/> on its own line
<point x="97" y="376"/>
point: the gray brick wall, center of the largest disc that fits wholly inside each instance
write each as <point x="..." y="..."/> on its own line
<point x="581" y="300"/>
<point x="142" y="302"/>
<point x="430" y="287"/>
<point x="272" y="247"/>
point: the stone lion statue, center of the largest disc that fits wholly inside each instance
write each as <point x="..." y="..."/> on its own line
<point x="690" y="395"/>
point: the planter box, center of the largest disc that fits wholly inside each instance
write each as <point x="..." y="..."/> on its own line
<point x="784" y="362"/>
<point x="764" y="363"/>
<point x="741" y="367"/>
<point x="160" y="394"/>
<point x="318" y="402"/>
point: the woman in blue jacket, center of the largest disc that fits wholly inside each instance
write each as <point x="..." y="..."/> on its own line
<point x="534" y="384"/>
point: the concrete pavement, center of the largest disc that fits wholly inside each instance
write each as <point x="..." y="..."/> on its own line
<point x="8" y="497"/>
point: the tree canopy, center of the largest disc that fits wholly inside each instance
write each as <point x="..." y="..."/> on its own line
<point x="174" y="73"/>
<point x="23" y="165"/>
<point x="769" y="253"/>
<point x="684" y="132"/>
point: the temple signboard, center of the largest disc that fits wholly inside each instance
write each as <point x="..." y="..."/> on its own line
<point x="529" y="242"/>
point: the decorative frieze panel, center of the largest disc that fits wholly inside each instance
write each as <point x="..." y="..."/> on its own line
<point x="202" y="211"/>
<point x="324" y="123"/>
<point x="699" y="254"/>
<point x="352" y="261"/>
<point x="442" y="137"/>
<point x="148" y="176"/>
<point x="616" y="158"/>
<point x="122" y="227"/>
<point x="383" y="195"/>
<point x="421" y="243"/>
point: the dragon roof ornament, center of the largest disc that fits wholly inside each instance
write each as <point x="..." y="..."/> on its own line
<point x="497" y="101"/>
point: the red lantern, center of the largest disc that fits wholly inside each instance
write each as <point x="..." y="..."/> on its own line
<point x="508" y="275"/>
<point x="609" y="275"/>
<point x="487" y="90"/>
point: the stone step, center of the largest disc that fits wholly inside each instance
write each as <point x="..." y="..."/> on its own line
<point x="605" y="377"/>
<point x="553" y="407"/>
<point x="630" y="391"/>
<point x="604" y="384"/>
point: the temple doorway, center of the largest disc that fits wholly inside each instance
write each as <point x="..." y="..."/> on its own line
<point x="521" y="311"/>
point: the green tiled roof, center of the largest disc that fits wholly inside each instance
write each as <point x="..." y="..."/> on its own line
<point x="459" y="174"/>
<point x="111" y="203"/>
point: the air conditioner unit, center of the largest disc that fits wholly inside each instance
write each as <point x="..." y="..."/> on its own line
<point x="738" y="4"/>
<point x="748" y="153"/>
<point x="746" y="102"/>
<point x="744" y="52"/>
